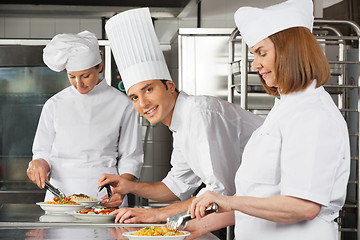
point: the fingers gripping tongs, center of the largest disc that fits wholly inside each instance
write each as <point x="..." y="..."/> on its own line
<point x="178" y="221"/>
<point x="108" y="189"/>
<point x="54" y="190"/>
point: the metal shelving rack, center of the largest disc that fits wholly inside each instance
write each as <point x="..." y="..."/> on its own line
<point x="343" y="54"/>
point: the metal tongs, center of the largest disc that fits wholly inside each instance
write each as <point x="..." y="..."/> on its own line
<point x="178" y="221"/>
<point x="108" y="189"/>
<point x="54" y="190"/>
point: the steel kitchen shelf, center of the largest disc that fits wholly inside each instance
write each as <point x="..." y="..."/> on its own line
<point x="343" y="54"/>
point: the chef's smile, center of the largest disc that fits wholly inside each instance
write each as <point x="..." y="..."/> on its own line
<point x="265" y="75"/>
<point x="151" y="112"/>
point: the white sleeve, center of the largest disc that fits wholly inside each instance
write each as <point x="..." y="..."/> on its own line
<point x="313" y="148"/>
<point x="45" y="133"/>
<point x="180" y="179"/>
<point x="208" y="144"/>
<point x="130" y="148"/>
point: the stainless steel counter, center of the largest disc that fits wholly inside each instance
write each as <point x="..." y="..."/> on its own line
<point x="29" y="221"/>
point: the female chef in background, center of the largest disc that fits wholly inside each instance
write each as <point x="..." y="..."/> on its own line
<point x="87" y="129"/>
<point x="293" y="177"/>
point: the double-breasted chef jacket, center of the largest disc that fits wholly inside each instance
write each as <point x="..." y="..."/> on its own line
<point x="209" y="136"/>
<point x="302" y="150"/>
<point x="82" y="136"/>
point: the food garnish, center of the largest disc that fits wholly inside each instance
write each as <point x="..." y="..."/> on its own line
<point x="95" y="211"/>
<point x="156" y="231"/>
<point x="82" y="197"/>
<point x="63" y="201"/>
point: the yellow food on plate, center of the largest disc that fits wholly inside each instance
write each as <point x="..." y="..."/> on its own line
<point x="81" y="197"/>
<point x="64" y="201"/>
<point x="156" y="231"/>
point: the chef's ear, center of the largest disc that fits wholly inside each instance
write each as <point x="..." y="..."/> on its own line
<point x="99" y="67"/>
<point x="171" y="86"/>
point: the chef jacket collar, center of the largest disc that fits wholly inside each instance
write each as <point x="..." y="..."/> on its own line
<point x="101" y="86"/>
<point x="178" y="111"/>
<point x="309" y="90"/>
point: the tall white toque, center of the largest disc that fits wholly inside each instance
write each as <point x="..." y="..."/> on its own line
<point x="256" y="24"/>
<point x="73" y="52"/>
<point x="136" y="48"/>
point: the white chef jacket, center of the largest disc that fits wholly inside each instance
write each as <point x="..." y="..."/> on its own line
<point x="302" y="150"/>
<point x="209" y="136"/>
<point x="82" y="136"/>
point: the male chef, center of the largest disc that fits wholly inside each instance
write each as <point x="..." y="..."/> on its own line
<point x="209" y="134"/>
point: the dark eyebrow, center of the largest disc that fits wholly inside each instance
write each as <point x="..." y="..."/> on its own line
<point x="144" y="87"/>
<point x="81" y="74"/>
<point x="256" y="50"/>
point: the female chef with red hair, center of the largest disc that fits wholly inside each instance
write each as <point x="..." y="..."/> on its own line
<point x="293" y="177"/>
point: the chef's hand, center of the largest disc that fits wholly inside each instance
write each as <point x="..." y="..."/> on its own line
<point x="115" y="201"/>
<point x="195" y="228"/>
<point x="134" y="215"/>
<point x="199" y="204"/>
<point x="37" y="172"/>
<point x="118" y="183"/>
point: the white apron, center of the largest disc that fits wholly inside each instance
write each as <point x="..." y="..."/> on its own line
<point x="83" y="136"/>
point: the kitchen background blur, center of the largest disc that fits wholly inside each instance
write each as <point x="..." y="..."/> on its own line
<point x="204" y="55"/>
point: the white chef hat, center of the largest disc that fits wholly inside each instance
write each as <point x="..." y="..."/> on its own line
<point x="256" y="24"/>
<point x="73" y="52"/>
<point x="136" y="48"/>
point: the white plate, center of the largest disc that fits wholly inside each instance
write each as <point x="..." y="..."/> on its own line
<point x="177" y="237"/>
<point x="88" y="204"/>
<point x="59" y="208"/>
<point x="94" y="217"/>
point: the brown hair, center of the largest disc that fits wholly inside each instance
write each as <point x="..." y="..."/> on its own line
<point x="166" y="87"/>
<point x="298" y="60"/>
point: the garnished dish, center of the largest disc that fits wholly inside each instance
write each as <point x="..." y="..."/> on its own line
<point x="62" y="201"/>
<point x="88" y="201"/>
<point x="95" y="211"/>
<point x="156" y="233"/>
<point x="60" y="205"/>
<point x="82" y="198"/>
<point x="97" y="214"/>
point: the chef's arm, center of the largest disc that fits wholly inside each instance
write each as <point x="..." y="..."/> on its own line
<point x="128" y="176"/>
<point x="172" y="209"/>
<point x="157" y="191"/>
<point x="209" y="223"/>
<point x="37" y="171"/>
<point x="281" y="209"/>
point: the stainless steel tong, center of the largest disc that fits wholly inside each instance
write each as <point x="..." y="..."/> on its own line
<point x="54" y="190"/>
<point x="108" y="189"/>
<point x="178" y="221"/>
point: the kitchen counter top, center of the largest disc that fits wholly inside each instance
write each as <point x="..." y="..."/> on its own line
<point x="29" y="221"/>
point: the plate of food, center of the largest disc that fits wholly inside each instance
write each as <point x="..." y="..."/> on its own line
<point x="60" y="205"/>
<point x="84" y="199"/>
<point x="97" y="214"/>
<point x="156" y="233"/>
